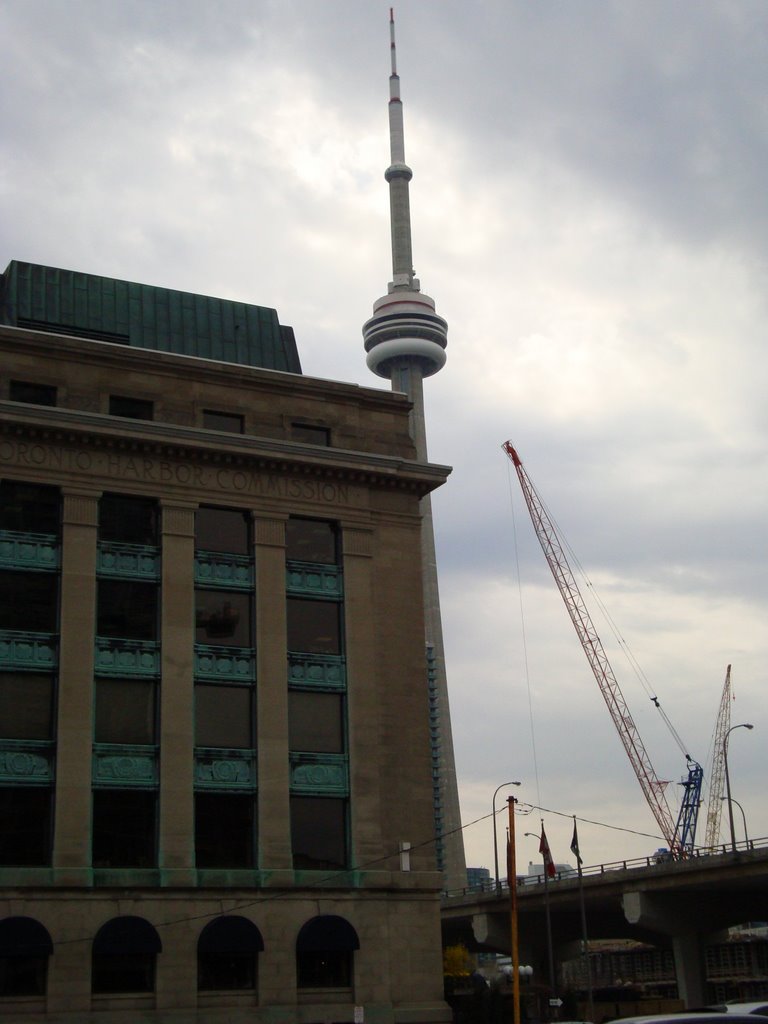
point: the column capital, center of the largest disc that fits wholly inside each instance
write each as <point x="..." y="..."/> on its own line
<point x="268" y="531"/>
<point x="80" y="506"/>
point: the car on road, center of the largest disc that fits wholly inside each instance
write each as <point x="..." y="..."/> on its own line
<point x="759" y="1008"/>
<point x="687" y="1017"/>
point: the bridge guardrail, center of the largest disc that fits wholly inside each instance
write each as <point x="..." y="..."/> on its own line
<point x="490" y="887"/>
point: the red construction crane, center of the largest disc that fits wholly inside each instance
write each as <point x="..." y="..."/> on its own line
<point x="680" y="836"/>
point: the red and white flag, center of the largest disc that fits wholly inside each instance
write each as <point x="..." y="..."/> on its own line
<point x="549" y="865"/>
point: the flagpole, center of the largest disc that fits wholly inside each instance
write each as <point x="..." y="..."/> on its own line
<point x="584" y="938"/>
<point x="512" y="883"/>
<point x="550" y="954"/>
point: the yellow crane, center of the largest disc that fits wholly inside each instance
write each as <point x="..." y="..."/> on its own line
<point x="715" y="803"/>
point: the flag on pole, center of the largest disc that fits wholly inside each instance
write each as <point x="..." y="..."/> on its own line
<point x="549" y="865"/>
<point x="575" y="843"/>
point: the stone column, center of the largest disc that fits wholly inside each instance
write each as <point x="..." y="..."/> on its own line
<point x="272" y="696"/>
<point x="74" y="733"/>
<point x="176" y="736"/>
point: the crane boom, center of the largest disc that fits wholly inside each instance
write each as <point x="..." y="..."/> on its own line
<point x="653" y="788"/>
<point x="715" y="803"/>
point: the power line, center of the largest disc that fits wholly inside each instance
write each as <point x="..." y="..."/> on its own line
<point x="325" y="883"/>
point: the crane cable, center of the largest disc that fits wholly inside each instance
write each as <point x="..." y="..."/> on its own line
<point x="613" y="626"/>
<point x="524" y="642"/>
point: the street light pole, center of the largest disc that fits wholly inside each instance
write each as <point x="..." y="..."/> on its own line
<point x="513" y="938"/>
<point x="743" y="817"/>
<point x="741" y="725"/>
<point x="495" y="844"/>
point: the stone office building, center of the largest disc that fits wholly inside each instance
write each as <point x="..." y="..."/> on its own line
<point x="215" y="773"/>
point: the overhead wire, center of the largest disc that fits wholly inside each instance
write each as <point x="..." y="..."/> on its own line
<point x="325" y="883"/>
<point x="613" y="626"/>
<point x="531" y="723"/>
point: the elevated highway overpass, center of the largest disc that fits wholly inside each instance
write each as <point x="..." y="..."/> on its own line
<point x="684" y="904"/>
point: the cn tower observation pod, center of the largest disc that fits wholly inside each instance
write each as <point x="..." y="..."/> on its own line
<point x="405" y="325"/>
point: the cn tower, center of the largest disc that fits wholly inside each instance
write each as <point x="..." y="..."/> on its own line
<point x="405" y="341"/>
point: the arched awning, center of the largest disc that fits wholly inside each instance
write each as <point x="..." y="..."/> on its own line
<point x="327" y="933"/>
<point x="127" y="935"/>
<point x="23" y="936"/>
<point x="230" y="935"/>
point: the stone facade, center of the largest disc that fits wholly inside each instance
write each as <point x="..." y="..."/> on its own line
<point x="367" y="483"/>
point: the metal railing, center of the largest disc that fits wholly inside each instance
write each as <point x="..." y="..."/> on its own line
<point x="488" y="887"/>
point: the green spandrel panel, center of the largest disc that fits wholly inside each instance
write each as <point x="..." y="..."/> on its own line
<point x="107" y="309"/>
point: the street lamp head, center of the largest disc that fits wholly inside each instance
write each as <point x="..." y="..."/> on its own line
<point x="512" y="800"/>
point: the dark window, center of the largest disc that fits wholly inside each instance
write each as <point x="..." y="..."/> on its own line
<point x="222" y="529"/>
<point x="311" y="540"/>
<point x="35" y="394"/>
<point x="124" y="954"/>
<point x="226" y="972"/>
<point x="29" y="508"/>
<point x="324" y="951"/>
<point x="125" y="711"/>
<point x="25" y="826"/>
<point x="229" y="422"/>
<point x="315" y="722"/>
<point x="227" y="954"/>
<point x="316" y="968"/>
<point x="123" y="972"/>
<point x="223" y="716"/>
<point x="131" y="408"/>
<point x="223" y="617"/>
<point x="124" y="824"/>
<point x="319" y="832"/>
<point x="28" y="601"/>
<point x="314" y="627"/>
<point x="26" y="706"/>
<point x="25" y="946"/>
<point x="310" y="434"/>
<point x="127" y="609"/>
<point x="124" y="519"/>
<point x="224" y="825"/>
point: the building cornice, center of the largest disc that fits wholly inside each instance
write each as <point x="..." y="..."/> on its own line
<point x="57" y="426"/>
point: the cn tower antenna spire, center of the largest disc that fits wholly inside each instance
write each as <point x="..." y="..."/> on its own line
<point x="392" y="47"/>
<point x="398" y="174"/>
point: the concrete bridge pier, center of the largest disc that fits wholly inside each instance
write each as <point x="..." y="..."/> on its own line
<point x="492" y="931"/>
<point x="688" y="940"/>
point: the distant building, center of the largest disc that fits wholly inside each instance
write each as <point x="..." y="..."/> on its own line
<point x="625" y="971"/>
<point x="478" y="878"/>
<point x="536" y="871"/>
<point x="216" y="791"/>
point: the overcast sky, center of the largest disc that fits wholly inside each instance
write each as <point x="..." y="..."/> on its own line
<point x="590" y="214"/>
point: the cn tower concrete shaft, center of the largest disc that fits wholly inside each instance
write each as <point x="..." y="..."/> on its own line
<point x="405" y="341"/>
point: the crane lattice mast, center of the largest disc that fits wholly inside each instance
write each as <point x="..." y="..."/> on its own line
<point x="715" y="804"/>
<point x="653" y="788"/>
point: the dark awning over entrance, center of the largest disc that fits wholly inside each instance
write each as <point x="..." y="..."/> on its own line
<point x="230" y="935"/>
<point x="23" y="936"/>
<point x="127" y="935"/>
<point x="326" y="933"/>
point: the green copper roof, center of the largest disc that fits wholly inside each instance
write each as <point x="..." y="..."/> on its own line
<point x="104" y="309"/>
